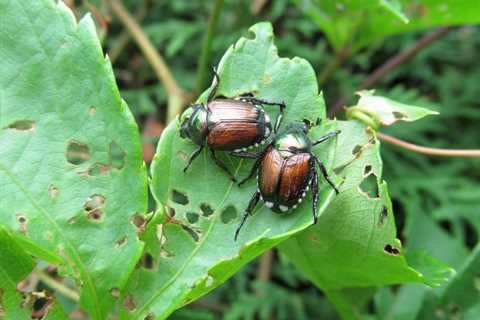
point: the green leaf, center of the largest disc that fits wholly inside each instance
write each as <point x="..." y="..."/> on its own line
<point x="354" y="243"/>
<point x="193" y="251"/>
<point x="404" y="303"/>
<point x="356" y="23"/>
<point x="395" y="7"/>
<point x="15" y="265"/>
<point x="350" y="301"/>
<point x="463" y="292"/>
<point x="385" y="111"/>
<point x="70" y="158"/>
<point x="356" y="234"/>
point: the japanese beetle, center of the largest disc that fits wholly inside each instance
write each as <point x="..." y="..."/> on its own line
<point x="286" y="170"/>
<point x="227" y="124"/>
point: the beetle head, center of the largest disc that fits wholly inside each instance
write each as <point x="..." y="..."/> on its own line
<point x="193" y="123"/>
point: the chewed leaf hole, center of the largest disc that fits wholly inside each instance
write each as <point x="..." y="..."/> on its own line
<point x="399" y="115"/>
<point x="147" y="261"/>
<point x="40" y="307"/>
<point x="53" y="191"/>
<point x="150" y="316"/>
<point x="383" y="216"/>
<point x="229" y="214"/>
<point x="117" y="156"/>
<point x="369" y="186"/>
<point x="121" y="242"/>
<point x="206" y="210"/>
<point x="356" y="149"/>
<point x="94" y="202"/>
<point x="115" y="292"/>
<point x="98" y="169"/>
<point x="367" y="170"/>
<point x="22" y="125"/>
<point x="179" y="197"/>
<point x="93" y="207"/>
<point x="139" y="222"/>
<point x="22" y="221"/>
<point x="95" y="215"/>
<point x="77" y="152"/>
<point x="195" y="236"/>
<point x="129" y="303"/>
<point x="38" y="302"/>
<point x="391" y="250"/>
<point x="192" y="217"/>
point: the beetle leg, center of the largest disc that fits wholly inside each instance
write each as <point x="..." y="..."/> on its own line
<point x="314" y="184"/>
<point x="282" y="106"/>
<point x="192" y="157"/>
<point x="326" y="137"/>
<point x="325" y="174"/>
<point x="278" y="121"/>
<point x="222" y="165"/>
<point x="245" y="154"/>
<point x="251" y="205"/>
<point x="216" y="83"/>
<point x="254" y="100"/>
<point x="253" y="170"/>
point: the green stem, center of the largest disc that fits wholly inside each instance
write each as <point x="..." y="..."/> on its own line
<point x="364" y="116"/>
<point x="335" y="63"/>
<point x="57" y="286"/>
<point x="207" y="46"/>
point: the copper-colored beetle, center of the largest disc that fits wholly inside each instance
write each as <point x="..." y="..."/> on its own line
<point x="286" y="170"/>
<point x="227" y="124"/>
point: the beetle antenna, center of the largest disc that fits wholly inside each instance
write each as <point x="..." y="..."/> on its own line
<point x="326" y="137"/>
<point x="215" y="84"/>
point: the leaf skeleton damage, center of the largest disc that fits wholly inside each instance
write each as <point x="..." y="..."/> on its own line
<point x="286" y="169"/>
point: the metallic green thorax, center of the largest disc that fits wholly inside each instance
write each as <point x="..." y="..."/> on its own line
<point x="195" y="126"/>
<point x="293" y="140"/>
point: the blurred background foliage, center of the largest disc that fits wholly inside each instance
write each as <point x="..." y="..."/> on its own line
<point x="436" y="200"/>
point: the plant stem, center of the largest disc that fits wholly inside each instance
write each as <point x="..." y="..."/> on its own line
<point x="153" y="57"/>
<point x="264" y="269"/>
<point x="256" y="6"/>
<point x="472" y="153"/>
<point x="207" y="46"/>
<point x="57" y="286"/>
<point x="393" y="63"/>
<point x="332" y="66"/>
<point x="125" y="37"/>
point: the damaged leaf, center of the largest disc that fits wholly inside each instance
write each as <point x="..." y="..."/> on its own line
<point x="193" y="256"/>
<point x="61" y="116"/>
<point x="384" y="111"/>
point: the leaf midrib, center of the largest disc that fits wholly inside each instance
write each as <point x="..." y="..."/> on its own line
<point x="74" y="254"/>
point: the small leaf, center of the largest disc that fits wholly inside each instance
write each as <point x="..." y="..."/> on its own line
<point x="387" y="111"/>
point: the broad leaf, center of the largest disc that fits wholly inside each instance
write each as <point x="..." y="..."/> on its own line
<point x="70" y="160"/>
<point x="193" y="250"/>
<point x="356" y="234"/>
<point x="15" y="266"/>
<point x="354" y="24"/>
<point x="385" y="111"/>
